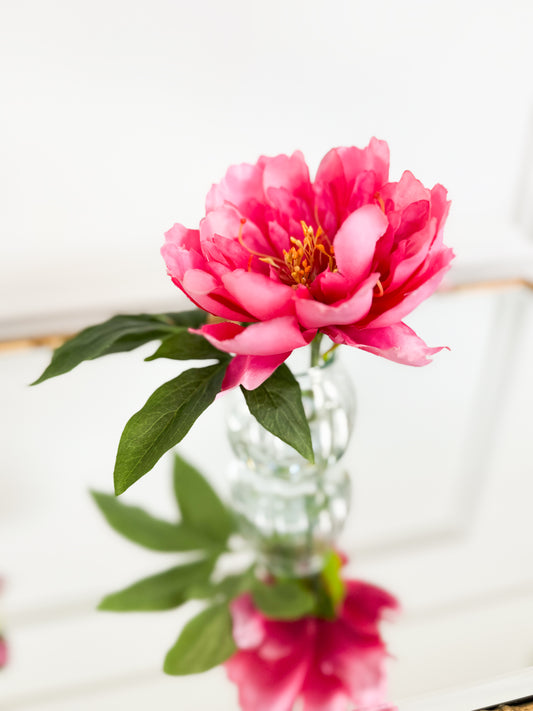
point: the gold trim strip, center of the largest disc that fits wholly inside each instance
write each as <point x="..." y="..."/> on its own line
<point x="53" y="340"/>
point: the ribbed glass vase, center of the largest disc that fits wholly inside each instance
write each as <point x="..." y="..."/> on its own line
<point x="291" y="510"/>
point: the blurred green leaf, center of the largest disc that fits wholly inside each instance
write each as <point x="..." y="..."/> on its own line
<point x="201" y="508"/>
<point x="205" y="642"/>
<point x="228" y="588"/>
<point x="140" y="527"/>
<point x="159" y="592"/>
<point x="286" y="600"/>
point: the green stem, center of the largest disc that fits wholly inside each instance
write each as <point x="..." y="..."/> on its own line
<point x="315" y="350"/>
<point x="326" y="355"/>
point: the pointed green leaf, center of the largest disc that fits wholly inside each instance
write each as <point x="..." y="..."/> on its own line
<point x="120" y="333"/>
<point x="187" y="346"/>
<point x="165" y="419"/>
<point x="277" y="405"/>
<point x="140" y="527"/>
<point x="200" y="507"/>
<point x="284" y="600"/>
<point x="159" y="592"/>
<point x="205" y="642"/>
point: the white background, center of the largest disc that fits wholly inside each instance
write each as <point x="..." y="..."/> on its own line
<point x="115" y="118"/>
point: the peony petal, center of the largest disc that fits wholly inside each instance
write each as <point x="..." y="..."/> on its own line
<point x="251" y="371"/>
<point x="248" y="623"/>
<point x="365" y="605"/>
<point x="397" y="342"/>
<point x="279" y="335"/>
<point x="394" y="307"/>
<point x="228" y="222"/>
<point x="340" y="185"/>
<point x="267" y="686"/>
<point x="180" y="260"/>
<point x="260" y="295"/>
<point x="197" y="282"/>
<point x="290" y="173"/>
<point x="323" y="692"/>
<point x="314" y="314"/>
<point x="409" y="254"/>
<point x="406" y="191"/>
<point x="355" y="242"/>
<point x="183" y="237"/>
<point x="242" y="186"/>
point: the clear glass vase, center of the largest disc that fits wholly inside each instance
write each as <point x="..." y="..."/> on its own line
<point x="291" y="510"/>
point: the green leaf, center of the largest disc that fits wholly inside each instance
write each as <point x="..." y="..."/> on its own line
<point x="159" y="592"/>
<point x="184" y="346"/>
<point x="228" y="588"/>
<point x="165" y="419"/>
<point x="205" y="642"/>
<point x="120" y="333"/>
<point x="286" y="600"/>
<point x="233" y="585"/>
<point x="200" y="507"/>
<point x="193" y="318"/>
<point x="140" y="527"/>
<point x="277" y="405"/>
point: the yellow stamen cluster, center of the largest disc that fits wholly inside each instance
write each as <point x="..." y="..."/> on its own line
<point x="301" y="259"/>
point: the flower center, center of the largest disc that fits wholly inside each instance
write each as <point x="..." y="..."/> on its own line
<point x="303" y="261"/>
<point x="310" y="256"/>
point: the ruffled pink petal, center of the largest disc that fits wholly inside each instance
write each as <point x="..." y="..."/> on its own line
<point x="183" y="237"/>
<point x="229" y="222"/>
<point x="397" y="342"/>
<point x="204" y="290"/>
<point x="365" y="605"/>
<point x="290" y="173"/>
<point x="355" y="242"/>
<point x="314" y="314"/>
<point x="409" y="254"/>
<point x="279" y="335"/>
<point x="251" y="371"/>
<point x="406" y="191"/>
<point x="242" y="186"/>
<point x="266" y="686"/>
<point x="179" y="260"/>
<point x="413" y="218"/>
<point x="330" y="287"/>
<point x="345" y="164"/>
<point x="394" y="307"/>
<point x="260" y="295"/>
<point x="248" y="624"/>
<point x="339" y="176"/>
<point x="363" y="673"/>
<point x="321" y="692"/>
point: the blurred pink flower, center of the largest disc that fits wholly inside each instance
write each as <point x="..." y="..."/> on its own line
<point x="349" y="255"/>
<point x="326" y="663"/>
<point x="3" y="652"/>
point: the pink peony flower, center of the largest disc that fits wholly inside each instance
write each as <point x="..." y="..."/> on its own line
<point x="349" y="255"/>
<point x="326" y="663"/>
